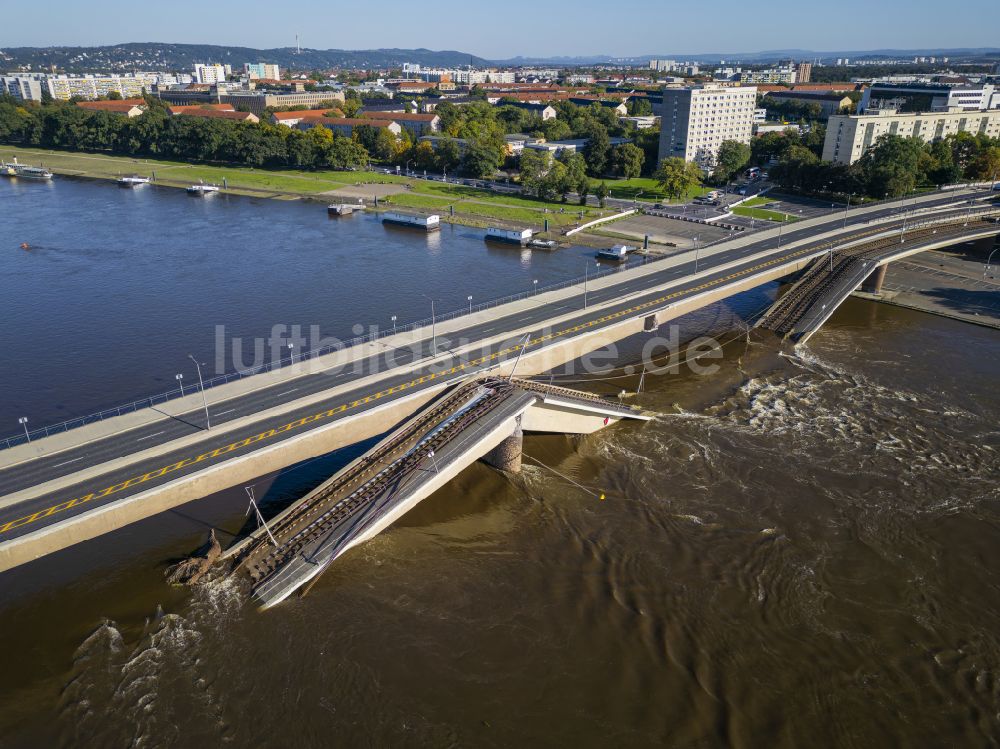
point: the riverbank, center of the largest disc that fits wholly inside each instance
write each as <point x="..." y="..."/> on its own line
<point x="456" y="204"/>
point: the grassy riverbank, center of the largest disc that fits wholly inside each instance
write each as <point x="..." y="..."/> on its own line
<point x="472" y="206"/>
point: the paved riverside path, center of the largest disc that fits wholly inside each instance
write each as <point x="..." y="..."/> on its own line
<point x="56" y="485"/>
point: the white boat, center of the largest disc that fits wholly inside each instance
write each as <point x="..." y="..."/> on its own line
<point x="617" y="254"/>
<point x="543" y="244"/>
<point x="202" y="190"/>
<point x="32" y="172"/>
<point x="427" y="223"/>
<point x="132" y="181"/>
<point x="8" y="170"/>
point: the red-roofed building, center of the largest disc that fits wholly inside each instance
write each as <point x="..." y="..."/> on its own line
<point x="419" y="124"/>
<point x="126" y="107"/>
<point x="194" y="108"/>
<point x="345" y="125"/>
<point x="291" y="119"/>
<point x="221" y="114"/>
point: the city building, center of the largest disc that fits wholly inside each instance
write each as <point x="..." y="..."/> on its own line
<point x="695" y="121"/>
<point x="249" y="101"/>
<point x="255" y="70"/>
<point x="663" y="66"/>
<point x="292" y="119"/>
<point x="345" y="125"/>
<point x="766" y="77"/>
<point x="928" y="97"/>
<point x="849" y="136"/>
<point x="25" y="88"/>
<point x="219" y="114"/>
<point x="545" y="111"/>
<point x="803" y="72"/>
<point x="66" y="87"/>
<point x="759" y="115"/>
<point x="127" y="107"/>
<point x="418" y="124"/>
<point x="209" y="73"/>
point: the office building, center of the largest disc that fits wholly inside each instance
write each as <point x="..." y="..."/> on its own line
<point x="929" y="97"/>
<point x="695" y="121"/>
<point x="23" y="87"/>
<point x="849" y="136"/>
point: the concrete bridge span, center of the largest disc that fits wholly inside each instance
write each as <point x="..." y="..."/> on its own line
<point x="76" y="485"/>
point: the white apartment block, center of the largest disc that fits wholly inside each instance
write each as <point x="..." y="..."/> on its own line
<point x="695" y="121"/>
<point x="663" y="66"/>
<point x="25" y="88"/>
<point x="768" y="77"/>
<point x="209" y="73"/>
<point x="97" y="86"/>
<point x="849" y="136"/>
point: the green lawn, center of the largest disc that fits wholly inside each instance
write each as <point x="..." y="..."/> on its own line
<point x="755" y="201"/>
<point x="647" y="188"/>
<point x="742" y="210"/>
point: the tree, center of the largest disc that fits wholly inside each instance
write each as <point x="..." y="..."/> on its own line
<point x="627" y="160"/>
<point x="895" y="165"/>
<point x="601" y="193"/>
<point x="481" y="159"/>
<point x="596" y="150"/>
<point x="677" y="177"/>
<point x="350" y="107"/>
<point x="448" y="154"/>
<point x="730" y="160"/>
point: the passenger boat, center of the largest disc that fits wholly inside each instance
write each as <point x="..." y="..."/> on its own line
<point x="511" y="236"/>
<point x="202" y="190"/>
<point x="133" y="181"/>
<point x="617" y="254"/>
<point x="8" y="170"/>
<point x="427" y="223"/>
<point x="32" y="172"/>
<point x="344" y="209"/>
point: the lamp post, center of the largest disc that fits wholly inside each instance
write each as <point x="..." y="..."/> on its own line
<point x="394" y="325"/>
<point x="204" y="400"/>
<point x="534" y="287"/>
<point x="180" y="381"/>
<point x="986" y="268"/>
<point x="433" y="325"/>
<point x="696" y="254"/>
<point x="23" y="421"/>
<point x="847" y="208"/>
<point x="291" y="356"/>
<point x="470" y="303"/>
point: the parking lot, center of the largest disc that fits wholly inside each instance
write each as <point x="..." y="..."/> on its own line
<point x="668" y="231"/>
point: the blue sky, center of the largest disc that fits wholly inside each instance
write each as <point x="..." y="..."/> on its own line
<point x="512" y="27"/>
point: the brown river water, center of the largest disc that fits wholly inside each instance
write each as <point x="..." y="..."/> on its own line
<point x="803" y="550"/>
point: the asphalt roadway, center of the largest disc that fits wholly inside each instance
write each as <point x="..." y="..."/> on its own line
<point x="33" y="514"/>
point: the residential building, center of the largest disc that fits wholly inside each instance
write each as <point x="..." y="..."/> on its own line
<point x="98" y="86"/>
<point x="418" y="124"/>
<point x="255" y="70"/>
<point x="663" y="66"/>
<point x="127" y="107"/>
<point x="220" y="114"/>
<point x="545" y="111"/>
<point x="345" y="125"/>
<point x="803" y="72"/>
<point x="830" y="104"/>
<point x="849" y="136"/>
<point x="249" y="101"/>
<point x="209" y="73"/>
<point x="25" y="88"/>
<point x="759" y="116"/>
<point x="585" y="101"/>
<point x="291" y="119"/>
<point x="641" y="122"/>
<point x="695" y="121"/>
<point x="753" y="77"/>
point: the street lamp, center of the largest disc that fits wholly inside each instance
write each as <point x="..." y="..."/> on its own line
<point x="534" y="285"/>
<point x="696" y="254"/>
<point x="180" y="381"/>
<point x="433" y="324"/>
<point x="394" y="325"/>
<point x="204" y="400"/>
<point x="23" y="421"/>
<point x="586" y="274"/>
<point x="291" y="356"/>
<point x="470" y="303"/>
<point x="986" y="268"/>
<point x="847" y="208"/>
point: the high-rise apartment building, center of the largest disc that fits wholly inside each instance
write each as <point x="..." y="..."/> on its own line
<point x="803" y="72"/>
<point x="209" y="73"/>
<point x="695" y="121"/>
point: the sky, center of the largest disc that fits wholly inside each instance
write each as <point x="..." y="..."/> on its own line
<point x="499" y="30"/>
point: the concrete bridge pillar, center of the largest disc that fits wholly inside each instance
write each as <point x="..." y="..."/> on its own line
<point x="873" y="284"/>
<point x="507" y="455"/>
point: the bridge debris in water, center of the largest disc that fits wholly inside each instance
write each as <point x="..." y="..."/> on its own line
<point x="465" y="424"/>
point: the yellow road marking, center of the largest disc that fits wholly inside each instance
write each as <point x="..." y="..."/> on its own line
<point x="268" y="434"/>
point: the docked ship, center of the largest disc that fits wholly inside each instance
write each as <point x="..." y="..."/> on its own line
<point x="519" y="237"/>
<point x="133" y="181"/>
<point x="32" y="172"/>
<point x="617" y="254"/>
<point x="202" y="189"/>
<point x="344" y="209"/>
<point x="543" y="244"/>
<point x="427" y="223"/>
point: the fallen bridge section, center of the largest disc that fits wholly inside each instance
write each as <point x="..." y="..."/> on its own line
<point x="832" y="278"/>
<point x="482" y="419"/>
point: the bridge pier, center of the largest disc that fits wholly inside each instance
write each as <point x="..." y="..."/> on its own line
<point x="873" y="284"/>
<point x="507" y="455"/>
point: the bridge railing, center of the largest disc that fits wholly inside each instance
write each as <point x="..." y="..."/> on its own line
<point x="375" y="335"/>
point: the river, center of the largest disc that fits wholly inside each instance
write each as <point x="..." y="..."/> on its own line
<point x="803" y="549"/>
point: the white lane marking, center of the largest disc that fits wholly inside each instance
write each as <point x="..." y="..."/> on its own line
<point x="66" y="463"/>
<point x="287" y="392"/>
<point x="223" y="413"/>
<point x="150" y="436"/>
